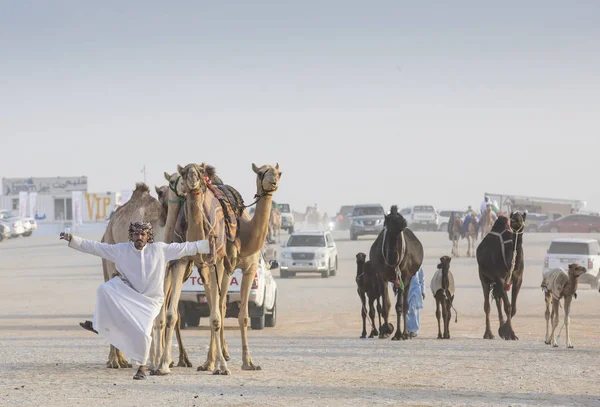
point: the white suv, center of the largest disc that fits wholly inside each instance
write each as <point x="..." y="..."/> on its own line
<point x="309" y="252"/>
<point x="421" y="217"/>
<point x="585" y="252"/>
<point x="262" y="303"/>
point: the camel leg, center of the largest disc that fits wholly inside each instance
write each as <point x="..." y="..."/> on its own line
<point x="399" y="313"/>
<point x="548" y="301"/>
<point x="363" y="313"/>
<point x="374" y="331"/>
<point x="184" y="360"/>
<point x="156" y="346"/>
<point x="438" y="315"/>
<point x="172" y="312"/>
<point x="514" y="295"/>
<point x="567" y="304"/>
<point x="209" y="365"/>
<point x="500" y="314"/>
<point x="249" y="270"/>
<point x="379" y="314"/>
<point x="225" y="281"/>
<point x="385" y="331"/>
<point x="447" y="317"/>
<point x="506" y="331"/>
<point x="486" y="307"/>
<point x="216" y="320"/>
<point x="555" y="312"/>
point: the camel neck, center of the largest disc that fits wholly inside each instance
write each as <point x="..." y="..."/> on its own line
<point x="258" y="227"/>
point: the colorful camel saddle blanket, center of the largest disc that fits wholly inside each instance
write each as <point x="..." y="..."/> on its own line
<point x="232" y="206"/>
<point x="436" y="282"/>
<point x="554" y="281"/>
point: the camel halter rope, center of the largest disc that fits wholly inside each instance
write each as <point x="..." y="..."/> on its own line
<point x="400" y="258"/>
<point x="173" y="187"/>
<point x="503" y="242"/>
<point x="263" y="192"/>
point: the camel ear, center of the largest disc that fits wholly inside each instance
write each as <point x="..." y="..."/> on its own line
<point x="210" y="171"/>
<point x="524" y="216"/>
<point x="179" y="169"/>
<point x="277" y="166"/>
<point x="280" y="174"/>
<point x="254" y="168"/>
<point x="157" y="190"/>
<point x="167" y="176"/>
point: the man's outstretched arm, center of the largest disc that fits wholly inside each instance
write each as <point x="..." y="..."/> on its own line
<point x="104" y="250"/>
<point x="175" y="251"/>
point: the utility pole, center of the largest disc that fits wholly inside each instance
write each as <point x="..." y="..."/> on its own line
<point x="144" y="171"/>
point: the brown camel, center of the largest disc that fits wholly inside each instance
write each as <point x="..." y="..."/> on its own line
<point x="456" y="233"/>
<point x="559" y="284"/>
<point x="487" y="221"/>
<point x="369" y="286"/>
<point x="471" y="233"/>
<point x="501" y="263"/>
<point x="252" y="233"/>
<point x="442" y="287"/>
<point x="140" y="207"/>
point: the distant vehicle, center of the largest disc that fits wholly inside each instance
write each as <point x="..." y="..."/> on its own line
<point x="575" y="223"/>
<point x="5" y="232"/>
<point x="585" y="252"/>
<point x="309" y="252"/>
<point x="15" y="223"/>
<point x="421" y="217"/>
<point x="262" y="303"/>
<point x="343" y="218"/>
<point x="287" y="217"/>
<point x="29" y="225"/>
<point x="367" y="219"/>
<point x="444" y="218"/>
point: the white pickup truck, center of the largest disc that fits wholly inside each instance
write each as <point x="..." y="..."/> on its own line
<point x="262" y="303"/>
<point x="421" y="217"/>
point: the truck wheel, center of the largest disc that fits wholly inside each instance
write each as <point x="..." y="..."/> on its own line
<point x="325" y="274"/>
<point x="192" y="317"/>
<point x="333" y="271"/>
<point x="258" y="323"/>
<point x="26" y="234"/>
<point x="271" y="319"/>
<point x="443" y="226"/>
<point x="353" y="236"/>
<point x="291" y="230"/>
<point x="283" y="274"/>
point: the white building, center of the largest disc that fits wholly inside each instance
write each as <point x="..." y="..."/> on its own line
<point x="56" y="199"/>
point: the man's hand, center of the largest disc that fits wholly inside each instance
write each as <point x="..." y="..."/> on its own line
<point x="64" y="236"/>
<point x="423" y="294"/>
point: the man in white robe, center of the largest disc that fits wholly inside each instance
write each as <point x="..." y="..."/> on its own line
<point x="127" y="305"/>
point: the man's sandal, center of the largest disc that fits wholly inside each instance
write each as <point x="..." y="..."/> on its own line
<point x="87" y="325"/>
<point x="140" y="374"/>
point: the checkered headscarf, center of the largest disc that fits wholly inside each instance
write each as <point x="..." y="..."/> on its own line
<point x="137" y="227"/>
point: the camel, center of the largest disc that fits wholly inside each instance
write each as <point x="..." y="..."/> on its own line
<point x="396" y="255"/>
<point x="442" y="287"/>
<point x="501" y="264"/>
<point x="487" y="221"/>
<point x="455" y="232"/>
<point x="370" y="286"/>
<point x="140" y="207"/>
<point x="559" y="284"/>
<point x="252" y="232"/>
<point x="470" y="229"/>
<point x="274" y="235"/>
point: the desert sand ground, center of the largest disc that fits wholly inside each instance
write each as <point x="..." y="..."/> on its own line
<point x="312" y="357"/>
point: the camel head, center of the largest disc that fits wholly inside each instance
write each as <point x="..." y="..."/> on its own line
<point x="195" y="177"/>
<point x="162" y="193"/>
<point x="576" y="270"/>
<point x="501" y="224"/>
<point x="267" y="180"/>
<point x="445" y="263"/>
<point x="394" y="221"/>
<point x="361" y="258"/>
<point x="517" y="221"/>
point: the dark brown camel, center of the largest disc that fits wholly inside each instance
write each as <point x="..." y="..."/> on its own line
<point x="396" y="255"/>
<point x="370" y="286"/>
<point x="442" y="287"/>
<point x="500" y="260"/>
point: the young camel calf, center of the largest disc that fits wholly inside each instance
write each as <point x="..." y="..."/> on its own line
<point x="370" y="286"/>
<point x="559" y="284"/>
<point x="442" y="287"/>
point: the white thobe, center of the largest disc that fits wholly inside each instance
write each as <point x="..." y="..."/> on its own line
<point x="126" y="306"/>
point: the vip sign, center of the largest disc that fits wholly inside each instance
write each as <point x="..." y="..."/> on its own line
<point x="98" y="205"/>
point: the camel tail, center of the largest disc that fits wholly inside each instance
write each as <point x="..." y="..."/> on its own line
<point x="455" y="313"/>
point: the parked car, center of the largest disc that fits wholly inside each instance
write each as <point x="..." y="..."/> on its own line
<point x="287" y="217"/>
<point x="585" y="252"/>
<point x="5" y="232"/>
<point x="575" y="223"/>
<point x="444" y="218"/>
<point x="343" y="218"/>
<point x="29" y="225"/>
<point x="421" y="217"/>
<point x="366" y="219"/>
<point x="262" y="303"/>
<point x="15" y="225"/>
<point x="309" y="252"/>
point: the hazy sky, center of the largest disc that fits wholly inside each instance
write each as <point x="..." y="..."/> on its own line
<point x="388" y="101"/>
